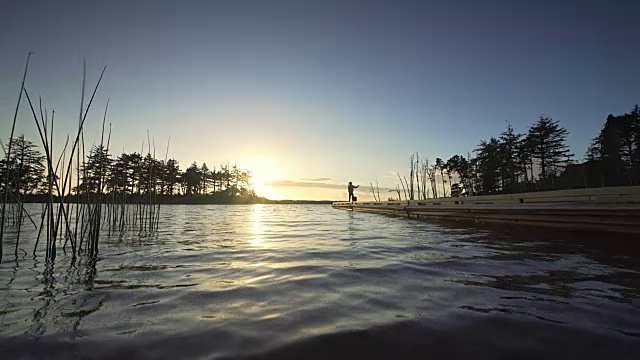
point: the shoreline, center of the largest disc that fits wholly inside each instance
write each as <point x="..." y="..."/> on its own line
<point x="609" y="209"/>
<point x="178" y="200"/>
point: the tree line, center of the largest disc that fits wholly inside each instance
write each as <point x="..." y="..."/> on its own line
<point x="126" y="174"/>
<point x="613" y="158"/>
<point x="538" y="159"/>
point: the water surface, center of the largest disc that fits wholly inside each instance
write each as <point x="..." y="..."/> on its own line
<point x="312" y="282"/>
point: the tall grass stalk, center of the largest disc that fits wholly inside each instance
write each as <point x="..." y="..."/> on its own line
<point x="13" y="127"/>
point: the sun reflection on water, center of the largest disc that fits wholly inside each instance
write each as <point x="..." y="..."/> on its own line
<point x="257" y="227"/>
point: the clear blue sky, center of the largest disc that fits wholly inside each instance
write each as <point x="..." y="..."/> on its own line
<point x="322" y="89"/>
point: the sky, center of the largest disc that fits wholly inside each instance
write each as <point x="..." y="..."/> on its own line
<point x="310" y="95"/>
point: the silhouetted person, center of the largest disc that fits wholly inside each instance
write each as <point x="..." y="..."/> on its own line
<point x="351" y="187"/>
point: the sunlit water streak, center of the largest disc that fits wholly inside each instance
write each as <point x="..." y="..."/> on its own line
<point x="295" y="281"/>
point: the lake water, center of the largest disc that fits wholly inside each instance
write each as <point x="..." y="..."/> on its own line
<point x="312" y="282"/>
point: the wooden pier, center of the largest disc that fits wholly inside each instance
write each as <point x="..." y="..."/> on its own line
<point x="614" y="209"/>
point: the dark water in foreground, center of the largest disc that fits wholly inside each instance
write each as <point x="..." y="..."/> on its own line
<point x="311" y="282"/>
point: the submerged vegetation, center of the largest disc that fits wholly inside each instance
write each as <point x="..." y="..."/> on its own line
<point x="537" y="160"/>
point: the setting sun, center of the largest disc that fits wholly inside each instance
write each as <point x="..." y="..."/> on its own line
<point x="263" y="169"/>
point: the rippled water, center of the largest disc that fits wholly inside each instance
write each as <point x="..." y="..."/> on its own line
<point x="312" y="282"/>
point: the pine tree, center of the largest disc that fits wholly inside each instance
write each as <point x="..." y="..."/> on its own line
<point x="26" y="167"/>
<point x="549" y="146"/>
<point x="489" y="165"/>
<point x="192" y="179"/>
<point x="172" y="175"/>
<point x="615" y="152"/>
<point x="459" y="165"/>
<point x="509" y="148"/>
<point x="635" y="155"/>
<point x="95" y="170"/>
<point x="205" y="176"/>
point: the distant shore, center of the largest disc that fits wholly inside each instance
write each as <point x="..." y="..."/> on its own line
<point x="215" y="199"/>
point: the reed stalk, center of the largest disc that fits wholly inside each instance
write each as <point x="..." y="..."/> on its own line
<point x="110" y="204"/>
<point x="13" y="127"/>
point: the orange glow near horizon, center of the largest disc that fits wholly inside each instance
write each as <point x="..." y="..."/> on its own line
<point x="267" y="167"/>
<point x="264" y="169"/>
